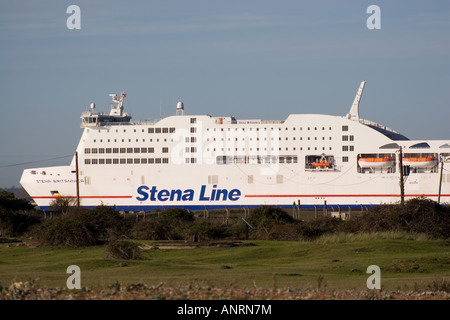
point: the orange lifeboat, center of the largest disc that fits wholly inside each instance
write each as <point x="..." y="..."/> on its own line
<point x="321" y="164"/>
<point x="429" y="161"/>
<point x="376" y="162"/>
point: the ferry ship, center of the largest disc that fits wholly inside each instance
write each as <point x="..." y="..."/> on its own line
<point x="206" y="162"/>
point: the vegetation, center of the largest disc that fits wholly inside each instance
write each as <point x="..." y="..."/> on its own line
<point x="409" y="243"/>
<point x="416" y="216"/>
<point x="17" y="216"/>
<point x="123" y="250"/>
<point x="76" y="227"/>
<point x="10" y="202"/>
<point x="331" y="262"/>
<point x="80" y="227"/>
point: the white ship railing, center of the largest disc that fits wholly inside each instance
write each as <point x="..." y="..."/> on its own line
<point x="368" y="122"/>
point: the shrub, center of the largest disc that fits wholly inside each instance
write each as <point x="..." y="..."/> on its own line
<point x="271" y="223"/>
<point x="171" y="224"/>
<point x="154" y="229"/>
<point x="416" y="216"/>
<point x="9" y="201"/>
<point x="207" y="230"/>
<point x="103" y="221"/>
<point x="310" y="230"/>
<point x="267" y="216"/>
<point x="62" y="204"/>
<point x="176" y="216"/>
<point x="124" y="250"/>
<point x="64" y="231"/>
<point x="81" y="227"/>
<point x="16" y="223"/>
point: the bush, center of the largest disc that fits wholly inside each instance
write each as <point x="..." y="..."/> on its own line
<point x="123" y="250"/>
<point x="271" y="223"/>
<point x="64" y="231"/>
<point x="176" y="216"/>
<point x="416" y="216"/>
<point x="81" y="227"/>
<point x="14" y="224"/>
<point x="267" y="216"/>
<point x="9" y="201"/>
<point x="171" y="224"/>
<point x="63" y="204"/>
<point x="103" y="221"/>
<point x="154" y="229"/>
<point x="313" y="229"/>
<point x="207" y="230"/>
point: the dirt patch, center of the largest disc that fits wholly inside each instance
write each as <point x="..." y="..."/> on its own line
<point x="176" y="245"/>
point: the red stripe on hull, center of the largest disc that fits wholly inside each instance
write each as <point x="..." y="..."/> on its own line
<point x="337" y="195"/>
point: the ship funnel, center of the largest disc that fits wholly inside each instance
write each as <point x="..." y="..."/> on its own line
<point x="354" y="110"/>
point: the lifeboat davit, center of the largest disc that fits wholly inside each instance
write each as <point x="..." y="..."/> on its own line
<point x="376" y="162"/>
<point x="429" y="161"/>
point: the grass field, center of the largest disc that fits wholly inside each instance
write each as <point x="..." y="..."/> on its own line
<point x="333" y="262"/>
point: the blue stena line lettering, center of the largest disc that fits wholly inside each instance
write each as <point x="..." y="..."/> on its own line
<point x="214" y="194"/>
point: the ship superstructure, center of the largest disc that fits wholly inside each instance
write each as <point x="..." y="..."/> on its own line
<point x="202" y="161"/>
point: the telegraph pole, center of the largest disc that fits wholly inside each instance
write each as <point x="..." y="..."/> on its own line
<point x="402" y="186"/>
<point x="440" y="179"/>
<point x="77" y="178"/>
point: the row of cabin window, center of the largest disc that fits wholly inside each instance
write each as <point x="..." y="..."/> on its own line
<point x="344" y="128"/>
<point x="265" y="139"/>
<point x="161" y="130"/>
<point x="150" y="130"/>
<point x="256" y="159"/>
<point x="271" y="149"/>
<point x="129" y="140"/>
<point x="260" y="159"/>
<point x="172" y="129"/>
<point x="194" y="139"/>
<point x="127" y="161"/>
<point x="166" y="150"/>
<point x="344" y="138"/>
<point x="123" y="150"/>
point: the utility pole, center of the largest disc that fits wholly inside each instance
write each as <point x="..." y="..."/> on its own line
<point x="440" y="179"/>
<point x="77" y="178"/>
<point x="402" y="186"/>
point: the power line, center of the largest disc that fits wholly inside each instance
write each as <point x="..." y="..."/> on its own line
<point x="37" y="161"/>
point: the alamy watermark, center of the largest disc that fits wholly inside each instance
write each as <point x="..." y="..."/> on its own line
<point x="374" y="281"/>
<point x="374" y="21"/>
<point x="74" y="20"/>
<point x="74" y="280"/>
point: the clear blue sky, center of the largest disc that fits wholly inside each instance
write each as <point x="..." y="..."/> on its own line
<point x="250" y="59"/>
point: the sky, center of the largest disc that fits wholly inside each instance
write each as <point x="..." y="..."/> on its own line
<point x="249" y="59"/>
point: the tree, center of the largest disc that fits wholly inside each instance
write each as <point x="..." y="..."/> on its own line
<point x="9" y="201"/>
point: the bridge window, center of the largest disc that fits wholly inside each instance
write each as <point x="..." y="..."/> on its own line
<point x="390" y="146"/>
<point x="422" y="145"/>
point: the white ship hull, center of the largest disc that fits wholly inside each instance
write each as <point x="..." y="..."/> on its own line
<point x="199" y="162"/>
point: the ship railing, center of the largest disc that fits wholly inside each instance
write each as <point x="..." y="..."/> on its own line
<point x="145" y="122"/>
<point x="272" y="121"/>
<point x="368" y="122"/>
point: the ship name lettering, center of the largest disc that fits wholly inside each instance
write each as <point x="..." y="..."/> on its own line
<point x="206" y="194"/>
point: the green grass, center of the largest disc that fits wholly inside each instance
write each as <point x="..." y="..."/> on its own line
<point x="336" y="262"/>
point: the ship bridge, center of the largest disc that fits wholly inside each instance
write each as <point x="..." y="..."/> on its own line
<point x="116" y="116"/>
